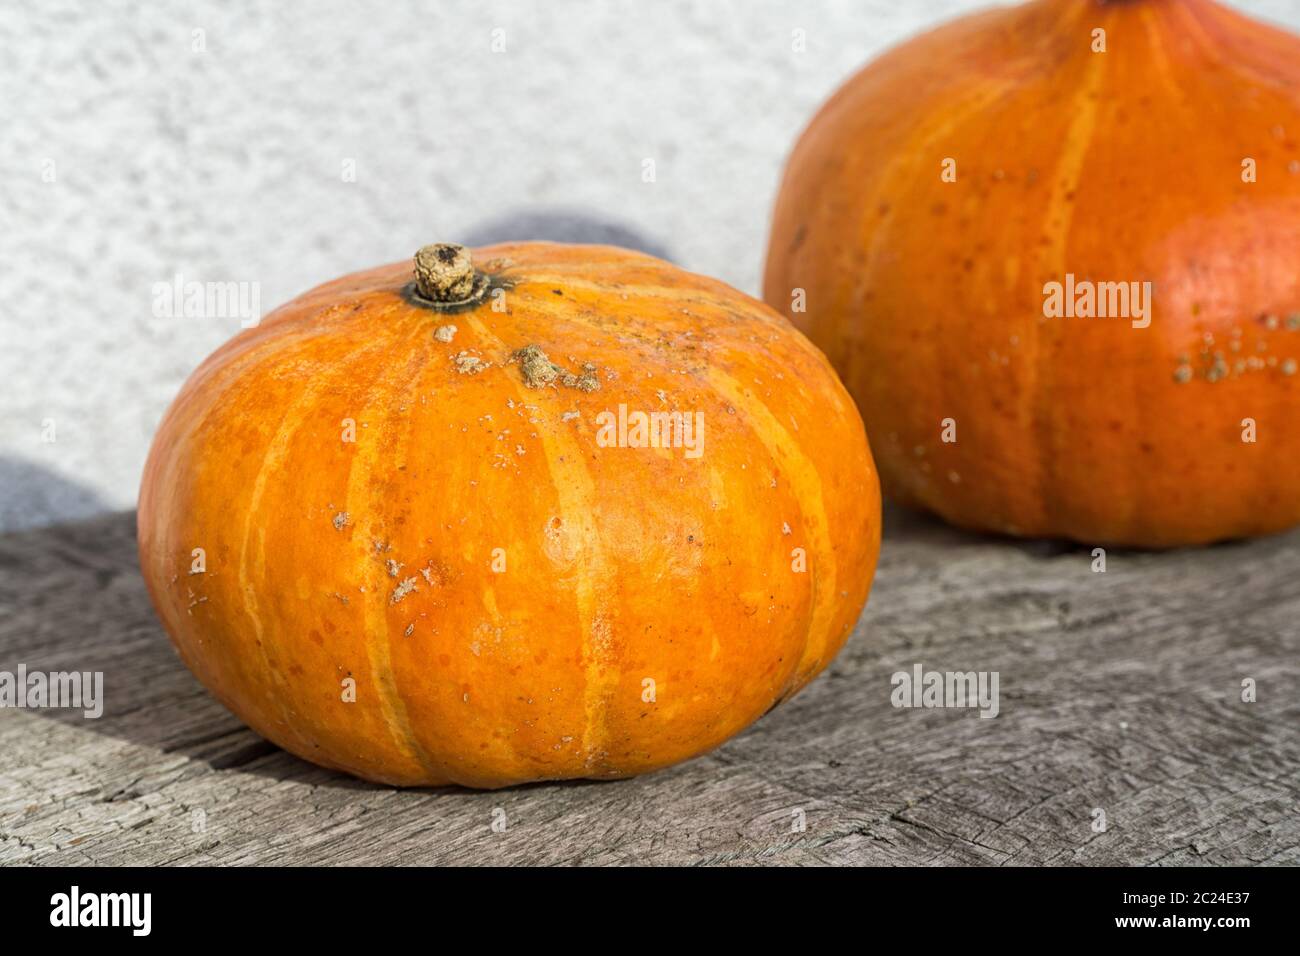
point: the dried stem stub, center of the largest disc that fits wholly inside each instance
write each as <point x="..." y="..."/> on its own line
<point x="444" y="272"/>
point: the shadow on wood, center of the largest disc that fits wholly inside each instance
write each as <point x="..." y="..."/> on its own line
<point x="74" y="600"/>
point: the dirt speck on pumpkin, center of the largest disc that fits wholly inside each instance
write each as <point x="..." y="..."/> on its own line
<point x="539" y="371"/>
<point x="402" y="590"/>
<point x="393" y="567"/>
<point x="469" y="364"/>
<point x="586" y="382"/>
<point x="340" y="520"/>
<point x="435" y="575"/>
<point x="410" y="629"/>
<point x="536" y="366"/>
<point x="444" y="333"/>
<point x="1183" y="374"/>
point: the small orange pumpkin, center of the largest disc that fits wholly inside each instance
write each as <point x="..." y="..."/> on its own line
<point x="421" y="531"/>
<point x="945" y="195"/>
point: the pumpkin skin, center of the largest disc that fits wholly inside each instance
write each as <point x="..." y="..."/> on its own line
<point x="1123" y="166"/>
<point x="621" y="564"/>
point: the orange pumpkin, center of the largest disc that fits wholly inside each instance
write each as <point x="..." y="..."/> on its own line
<point x="948" y="200"/>
<point x="414" y="530"/>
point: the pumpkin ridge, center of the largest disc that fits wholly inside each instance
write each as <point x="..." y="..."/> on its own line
<point x="1218" y="27"/>
<point x="808" y="491"/>
<point x="1131" y="506"/>
<point x="589" y="562"/>
<point x="198" y="402"/>
<point x="359" y="485"/>
<point x="228" y="364"/>
<point x="1159" y="57"/>
<point x="890" y="181"/>
<point x="1064" y="179"/>
<point x="272" y="457"/>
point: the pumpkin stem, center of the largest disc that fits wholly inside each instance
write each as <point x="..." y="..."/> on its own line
<point x="444" y="272"/>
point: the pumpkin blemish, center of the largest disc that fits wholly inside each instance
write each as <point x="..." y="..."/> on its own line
<point x="539" y="371"/>
<point x="404" y="588"/>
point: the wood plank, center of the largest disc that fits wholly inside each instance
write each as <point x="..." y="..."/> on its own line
<point x="1119" y="691"/>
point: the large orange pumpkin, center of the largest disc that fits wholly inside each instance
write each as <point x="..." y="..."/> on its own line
<point x="946" y="194"/>
<point x="410" y="530"/>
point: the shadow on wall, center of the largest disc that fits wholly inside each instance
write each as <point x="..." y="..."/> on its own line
<point x="561" y="226"/>
<point x="32" y="496"/>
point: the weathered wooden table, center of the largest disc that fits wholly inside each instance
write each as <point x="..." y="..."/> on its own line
<point x="1121" y="692"/>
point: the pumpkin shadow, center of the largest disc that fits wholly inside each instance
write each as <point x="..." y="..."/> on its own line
<point x="917" y="525"/>
<point x="76" y="601"/>
<point x="562" y="225"/>
<point x="32" y="496"/>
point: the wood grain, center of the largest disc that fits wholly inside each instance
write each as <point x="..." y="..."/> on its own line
<point x="1119" y="690"/>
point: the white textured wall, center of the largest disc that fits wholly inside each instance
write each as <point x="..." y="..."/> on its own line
<point x="226" y="165"/>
